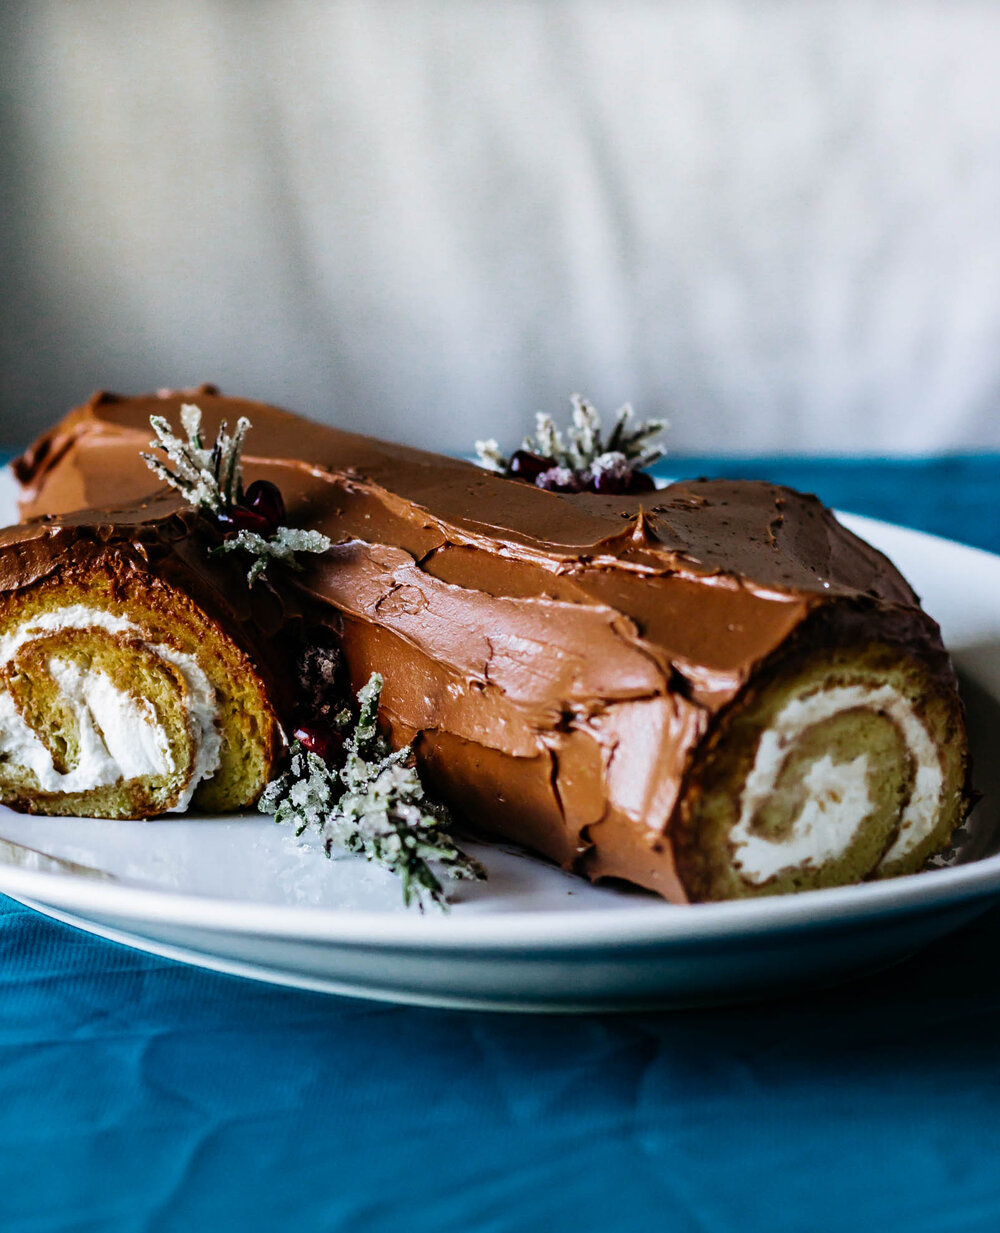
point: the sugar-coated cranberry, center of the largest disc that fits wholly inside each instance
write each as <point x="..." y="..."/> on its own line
<point x="265" y="499"/>
<point x="641" y="481"/>
<point x="239" y="518"/>
<point x="608" y="484"/>
<point x="319" y="672"/>
<point x="560" y="479"/>
<point x="322" y="740"/>
<point x="528" y="466"/>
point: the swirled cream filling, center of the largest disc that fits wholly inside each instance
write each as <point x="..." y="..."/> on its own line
<point x="837" y="797"/>
<point x="120" y="737"/>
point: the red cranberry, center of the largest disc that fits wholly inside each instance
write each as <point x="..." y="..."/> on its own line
<point x="528" y="466"/>
<point x="321" y="740"/>
<point x="265" y="499"/>
<point x="239" y="518"/>
<point x="641" y="481"/>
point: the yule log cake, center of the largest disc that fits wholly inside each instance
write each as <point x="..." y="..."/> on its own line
<point x="714" y="690"/>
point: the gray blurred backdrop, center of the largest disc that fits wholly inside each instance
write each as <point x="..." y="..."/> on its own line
<point x="777" y="223"/>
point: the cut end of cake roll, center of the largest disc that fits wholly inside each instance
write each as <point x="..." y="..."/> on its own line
<point x="121" y="698"/>
<point x="850" y="765"/>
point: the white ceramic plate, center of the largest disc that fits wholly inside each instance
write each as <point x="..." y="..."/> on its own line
<point x="243" y="895"/>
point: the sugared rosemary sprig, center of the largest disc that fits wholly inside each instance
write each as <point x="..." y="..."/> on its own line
<point x="284" y="546"/>
<point x="212" y="481"/>
<point x="208" y="479"/>
<point x="373" y="805"/>
<point x="584" y="451"/>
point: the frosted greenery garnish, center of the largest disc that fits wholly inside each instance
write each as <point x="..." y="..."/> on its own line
<point x="209" y="479"/>
<point x="585" y="450"/>
<point x="282" y="546"/>
<point x="373" y="805"/>
<point x="212" y="481"/>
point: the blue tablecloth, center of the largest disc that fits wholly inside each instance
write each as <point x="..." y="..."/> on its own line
<point x="139" y="1094"/>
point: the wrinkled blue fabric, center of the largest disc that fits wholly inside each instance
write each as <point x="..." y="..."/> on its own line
<point x="141" y="1094"/>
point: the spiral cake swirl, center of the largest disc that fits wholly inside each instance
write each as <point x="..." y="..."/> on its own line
<point x="122" y="695"/>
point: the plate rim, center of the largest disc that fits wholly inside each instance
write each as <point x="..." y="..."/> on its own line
<point x="515" y="930"/>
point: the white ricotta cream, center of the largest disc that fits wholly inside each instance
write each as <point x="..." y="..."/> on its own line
<point x="838" y="800"/>
<point x="120" y="736"/>
<point x="73" y="616"/>
<point x="21" y="746"/>
<point x="202" y="715"/>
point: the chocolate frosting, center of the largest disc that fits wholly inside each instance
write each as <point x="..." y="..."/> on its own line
<point x="555" y="659"/>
